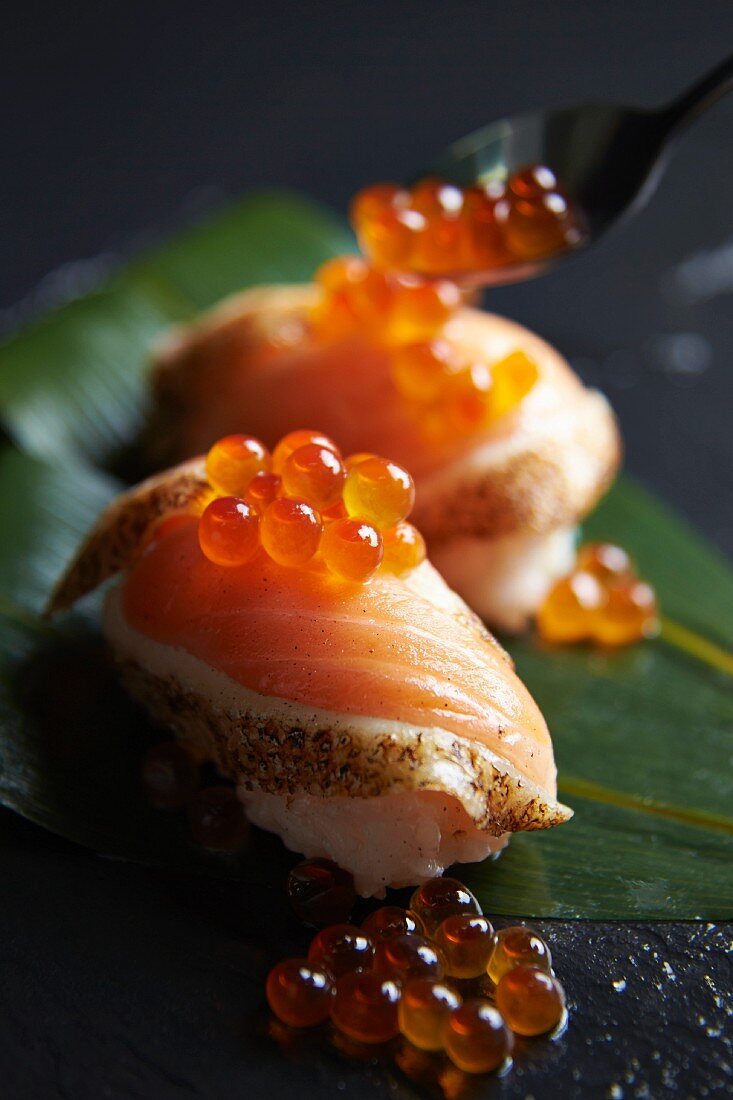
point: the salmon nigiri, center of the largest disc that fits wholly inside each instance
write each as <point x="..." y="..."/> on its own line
<point x="509" y="450"/>
<point x="314" y="654"/>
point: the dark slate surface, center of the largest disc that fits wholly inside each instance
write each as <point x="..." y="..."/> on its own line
<point x="120" y="118"/>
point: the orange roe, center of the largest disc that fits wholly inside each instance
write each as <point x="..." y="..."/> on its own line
<point x="300" y="993"/>
<point x="511" y="380"/>
<point x="404" y="548"/>
<point x="531" y="1001"/>
<point x="442" y="897"/>
<point x="475" y="1037"/>
<point x="290" y="531"/>
<point x="517" y="946"/>
<point x="425" y="1007"/>
<point x="341" y="948"/>
<point x="352" y="549"/>
<point x="365" y="1007"/>
<point x="391" y="920"/>
<point x="300" y="438"/>
<point x="419" y="370"/>
<point x="262" y="490"/>
<point x="565" y="614"/>
<point x="420" y="307"/>
<point x="605" y="560"/>
<point x="628" y="614"/>
<point x="408" y="955"/>
<point x="380" y="492"/>
<point x="228" y="531"/>
<point x="320" y="892"/>
<point x="466" y="942"/>
<point x="232" y="463"/>
<point x="314" y="473"/>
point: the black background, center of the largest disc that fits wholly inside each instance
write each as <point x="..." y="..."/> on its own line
<point x="120" y="120"/>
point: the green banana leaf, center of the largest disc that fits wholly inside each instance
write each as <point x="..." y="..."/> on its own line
<point x="642" y="737"/>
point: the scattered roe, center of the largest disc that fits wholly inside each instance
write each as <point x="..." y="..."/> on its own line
<point x="320" y="892"/>
<point x="408" y="314"/>
<point x="602" y="601"/>
<point x="389" y="977"/>
<point x="305" y="502"/>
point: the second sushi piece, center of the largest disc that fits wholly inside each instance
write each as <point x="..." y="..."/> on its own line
<point x="305" y="646"/>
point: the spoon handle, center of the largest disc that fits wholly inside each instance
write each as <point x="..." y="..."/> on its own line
<point x="691" y="104"/>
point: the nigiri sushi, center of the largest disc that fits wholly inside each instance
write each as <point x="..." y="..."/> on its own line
<point x="363" y="711"/>
<point x="498" y="499"/>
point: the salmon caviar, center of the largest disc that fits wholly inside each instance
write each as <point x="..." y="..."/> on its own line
<point x="404" y="548"/>
<point x="300" y="993"/>
<point x="511" y="380"/>
<point x="408" y="955"/>
<point x="216" y="820"/>
<point x="229" y="531"/>
<point x="436" y="228"/>
<point x="232" y="463"/>
<point x="314" y="473"/>
<point x="293" y="441"/>
<point x="439" y="898"/>
<point x="531" y="1001"/>
<point x="380" y="492"/>
<point x="419" y="370"/>
<point x="424" y="1009"/>
<point x="420" y="307"/>
<point x="169" y="775"/>
<point x="290" y="531"/>
<point x="517" y="946"/>
<point x="601" y="601"/>
<point x="320" y="892"/>
<point x="475" y="1037"/>
<point x="365" y="1007"/>
<point x="262" y="490"/>
<point x="352" y="549"/>
<point x="341" y="948"/>
<point x="391" y="920"/>
<point x="466" y="942"/>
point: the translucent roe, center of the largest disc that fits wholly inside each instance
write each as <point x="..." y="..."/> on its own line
<point x="517" y="946"/>
<point x="379" y="491"/>
<point x="365" y="1007"/>
<point x="262" y="490"/>
<point x="475" y="1037"/>
<point x="628" y="614"/>
<point x="419" y="370"/>
<point x="408" y="955"/>
<point x="290" y="531"/>
<point x="320" y="892"/>
<point x="441" y="897"/>
<point x="341" y="948"/>
<point x="466" y="942"/>
<point x="424" y="1009"/>
<point x="229" y="531"/>
<point x="352" y="549"/>
<point x="531" y="1001"/>
<point x="300" y="993"/>
<point x="391" y="920"/>
<point x="169" y="775"/>
<point x="315" y="473"/>
<point x="216" y="819"/>
<point x="565" y="614"/>
<point x="404" y="548"/>
<point x="604" y="560"/>
<point x="293" y="441"/>
<point x="232" y="463"/>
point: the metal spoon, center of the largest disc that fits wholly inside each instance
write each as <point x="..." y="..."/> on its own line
<point x="608" y="159"/>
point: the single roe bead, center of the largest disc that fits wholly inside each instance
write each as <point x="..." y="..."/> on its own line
<point x="517" y="946"/>
<point x="511" y="380"/>
<point x="421" y="307"/>
<point x="365" y="1007"/>
<point x="565" y="615"/>
<point x="300" y="438"/>
<point x="300" y="993"/>
<point x="290" y="531"/>
<point x="233" y="461"/>
<point x="425" y="1006"/>
<point x="605" y="560"/>
<point x="531" y="1001"/>
<point x="466" y="942"/>
<point x="229" y="531"/>
<point x="475" y="1037"/>
<point x="216" y="819"/>
<point x="352" y="549"/>
<point x="439" y="898"/>
<point x="262" y="490"/>
<point x="169" y="775"/>
<point x="341" y="948"/>
<point x="408" y="955"/>
<point x="314" y="473"/>
<point x="380" y="492"/>
<point x="628" y="614"/>
<point x="372" y="201"/>
<point x="404" y="548"/>
<point x="320" y="892"/>
<point x="419" y="370"/>
<point x="391" y="920"/>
